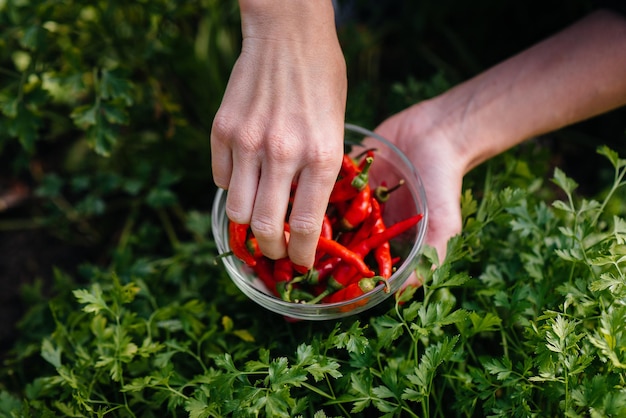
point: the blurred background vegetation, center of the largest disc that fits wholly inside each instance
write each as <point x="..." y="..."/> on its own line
<point x="106" y="109"/>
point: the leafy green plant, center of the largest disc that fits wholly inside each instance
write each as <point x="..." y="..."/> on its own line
<point x="106" y="109"/>
<point x="524" y="317"/>
<point x="99" y="61"/>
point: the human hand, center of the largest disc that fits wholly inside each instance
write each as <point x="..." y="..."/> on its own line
<point x="431" y="148"/>
<point x="281" y="122"/>
<point x="524" y="96"/>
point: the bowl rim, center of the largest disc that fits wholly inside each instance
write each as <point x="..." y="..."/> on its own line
<point x="317" y="311"/>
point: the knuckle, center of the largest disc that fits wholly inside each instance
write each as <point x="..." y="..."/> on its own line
<point x="222" y="127"/>
<point x="245" y="137"/>
<point x="236" y="215"/>
<point x="325" y="157"/>
<point x="304" y="225"/>
<point x="281" y="148"/>
<point x="324" y="162"/>
<point x="264" y="229"/>
<point x="284" y="148"/>
<point x="221" y="181"/>
<point x="249" y="138"/>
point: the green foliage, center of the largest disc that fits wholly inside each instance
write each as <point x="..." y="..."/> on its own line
<point x="106" y="108"/>
<point x="136" y="83"/>
<point x="524" y="317"/>
<point x="92" y="73"/>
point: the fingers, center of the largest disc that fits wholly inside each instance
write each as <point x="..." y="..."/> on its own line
<point x="221" y="159"/>
<point x="258" y="183"/>
<point x="281" y="119"/>
<point x="316" y="172"/>
<point x="236" y="168"/>
<point x="242" y="189"/>
<point x="259" y="180"/>
<point x="307" y="214"/>
<point x="259" y="174"/>
<point x="270" y="208"/>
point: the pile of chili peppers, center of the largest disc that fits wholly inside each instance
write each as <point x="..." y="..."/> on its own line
<point x="353" y="254"/>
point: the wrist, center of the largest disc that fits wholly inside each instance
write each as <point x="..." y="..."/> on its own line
<point x="480" y="121"/>
<point x="455" y="124"/>
<point x="295" y="20"/>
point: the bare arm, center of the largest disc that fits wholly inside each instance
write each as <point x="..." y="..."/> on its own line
<point x="576" y="74"/>
<point x="281" y="121"/>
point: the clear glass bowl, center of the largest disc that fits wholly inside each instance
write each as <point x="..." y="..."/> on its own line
<point x="390" y="165"/>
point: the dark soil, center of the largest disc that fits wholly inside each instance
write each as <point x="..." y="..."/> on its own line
<point x="27" y="256"/>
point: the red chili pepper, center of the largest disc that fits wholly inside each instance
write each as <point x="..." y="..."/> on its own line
<point x="335" y="214"/>
<point x="283" y="270"/>
<point x="344" y="274"/>
<point x="358" y="210"/>
<point x="237" y="238"/>
<point x="354" y="290"/>
<point x="382" y="253"/>
<point x="265" y="271"/>
<point x="320" y="272"/>
<point x="335" y="249"/>
<point x="348" y="167"/>
<point x="327" y="228"/>
<point x="340" y="265"/>
<point x="365" y="230"/>
<point x="343" y="190"/>
<point x="348" y="187"/>
<point x="299" y="269"/>
<point x="253" y="247"/>
<point x="380" y="238"/>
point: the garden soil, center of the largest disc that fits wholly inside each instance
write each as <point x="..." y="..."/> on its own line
<point x="28" y="256"/>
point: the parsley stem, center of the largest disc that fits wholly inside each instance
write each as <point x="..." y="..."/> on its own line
<point x="617" y="183"/>
<point x="168" y="227"/>
<point x="127" y="229"/>
<point x="318" y="391"/>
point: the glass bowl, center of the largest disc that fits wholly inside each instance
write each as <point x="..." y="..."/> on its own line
<point x="389" y="167"/>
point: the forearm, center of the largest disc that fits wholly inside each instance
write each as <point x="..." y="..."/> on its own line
<point x="293" y="20"/>
<point x="281" y="122"/>
<point x="295" y="43"/>
<point x="574" y="75"/>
